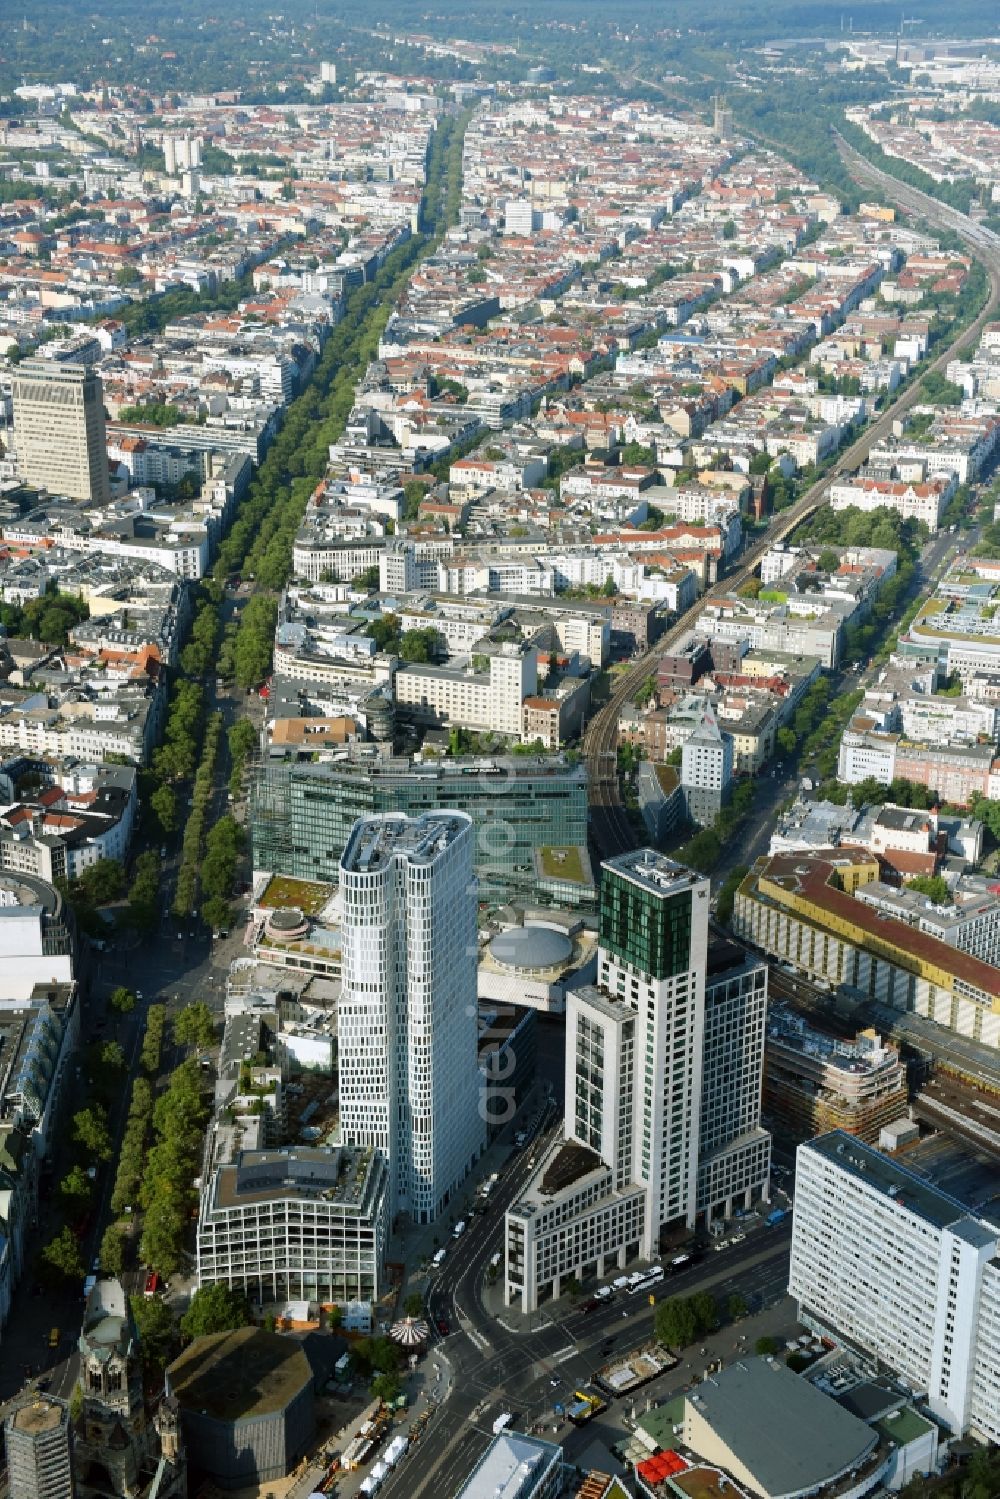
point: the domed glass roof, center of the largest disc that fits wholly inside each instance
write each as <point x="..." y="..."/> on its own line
<point x="530" y="947"/>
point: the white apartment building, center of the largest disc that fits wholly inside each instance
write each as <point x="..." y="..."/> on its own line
<point x="864" y="753"/>
<point x="664" y="1064"/>
<point x="59" y="429"/>
<point x="912" y="501"/>
<point x="409" y="1075"/>
<point x="706" y="768"/>
<point x="181" y="153"/>
<point x="338" y="558"/>
<point x="946" y="720"/>
<point x="305" y="1223"/>
<point x="406" y="565"/>
<point x="479" y="700"/>
<point x="899" y="1270"/>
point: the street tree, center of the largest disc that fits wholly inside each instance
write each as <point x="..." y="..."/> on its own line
<point x="157" y="1330"/>
<point x="75" y="1189"/>
<point x="386" y="1387"/>
<point x="112" y="1251"/>
<point x="215" y="1308"/>
<point x="194" y="1026"/>
<point x="112" y="1056"/>
<point x="676" y="1323"/>
<point x="122" y="1000"/>
<point x="216" y="913"/>
<point x="163" y="804"/>
<point x="706" y="1312"/>
<point x="61" y="1258"/>
<point x="89" y="1130"/>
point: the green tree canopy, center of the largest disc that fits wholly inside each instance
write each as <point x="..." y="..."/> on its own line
<point x="156" y="1328"/>
<point x="89" y="1131"/>
<point x="61" y="1259"/>
<point x="215" y="1308"/>
<point x="675" y="1322"/>
<point x="933" y="886"/>
<point x="112" y="1251"/>
<point x="194" y="1026"/>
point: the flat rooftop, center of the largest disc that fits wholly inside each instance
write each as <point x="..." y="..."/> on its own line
<point x="233" y="1376"/>
<point x="41" y="1415"/>
<point x="338" y="1175"/>
<point x="570" y="863"/>
<point x="885" y="1174"/>
<point x="510" y="1467"/>
<point x="376" y="840"/>
<point x="654" y="872"/>
<point x="810" y="876"/>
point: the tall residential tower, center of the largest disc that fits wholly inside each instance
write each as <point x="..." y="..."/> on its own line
<point x="409" y="1078"/>
<point x="59" y="429"/>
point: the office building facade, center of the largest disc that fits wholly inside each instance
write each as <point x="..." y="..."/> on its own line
<point x="308" y="1223"/>
<point x="897" y="1269"/>
<point x="664" y="1057"/>
<point x="302" y="814"/>
<point x="59" y="429"/>
<point x="408" y="1033"/>
<point x="734" y="1152"/>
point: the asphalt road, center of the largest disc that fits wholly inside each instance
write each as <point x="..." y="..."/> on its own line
<point x="179" y="964"/>
<point x="497" y="1367"/>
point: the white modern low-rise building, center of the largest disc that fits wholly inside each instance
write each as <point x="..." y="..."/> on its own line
<point x="489" y="700"/>
<point x="515" y="1467"/>
<point x="306" y="1223"/>
<point x="903" y="1272"/>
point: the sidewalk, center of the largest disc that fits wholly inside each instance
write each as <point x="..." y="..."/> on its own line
<point x="414" y="1245"/>
<point x="428" y="1386"/>
<point x="714" y="1271"/>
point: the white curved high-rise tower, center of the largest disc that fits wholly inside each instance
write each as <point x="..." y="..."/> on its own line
<point x="409" y="1079"/>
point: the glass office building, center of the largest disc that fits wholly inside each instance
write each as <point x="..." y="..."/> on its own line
<point x="302" y="814"/>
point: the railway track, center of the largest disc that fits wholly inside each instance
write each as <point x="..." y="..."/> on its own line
<point x="610" y="828"/>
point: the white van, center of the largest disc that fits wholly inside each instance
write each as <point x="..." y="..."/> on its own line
<point x="439" y="1258"/>
<point x="459" y="1229"/>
